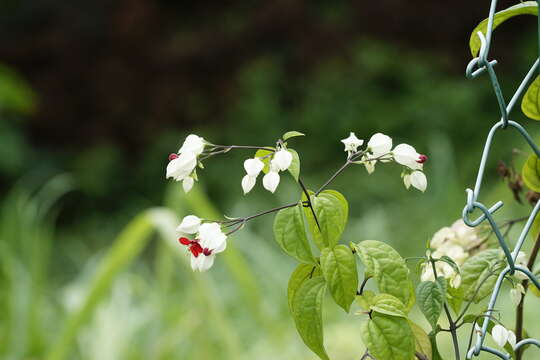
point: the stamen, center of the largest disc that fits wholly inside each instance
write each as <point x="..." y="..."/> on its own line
<point x="207" y="252"/>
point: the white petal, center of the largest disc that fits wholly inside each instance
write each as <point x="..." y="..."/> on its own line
<point x="512" y="338"/>
<point x="182" y="166"/>
<point x="194" y="144"/>
<point x="220" y="248"/>
<point x="407" y="181"/>
<point x="282" y="159"/>
<point x="419" y="180"/>
<point x="520" y="275"/>
<point x="253" y="166"/>
<point x="405" y="154"/>
<point x="189" y="225"/>
<point x="187" y="184"/>
<point x="196" y="262"/>
<point x="271" y="181"/>
<point x="499" y="334"/>
<point x="352" y="143"/>
<point x="427" y="274"/>
<point x="379" y="144"/>
<point x="515" y="296"/>
<point x="248" y="182"/>
<point x="521" y="259"/>
<point x="211" y="236"/>
<point x="206" y="262"/>
<point x="456" y="281"/>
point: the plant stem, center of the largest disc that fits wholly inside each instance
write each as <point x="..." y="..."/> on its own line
<point x="519" y="310"/>
<point x="333" y="177"/>
<point x="451" y="323"/>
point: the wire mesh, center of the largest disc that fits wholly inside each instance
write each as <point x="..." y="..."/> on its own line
<point x="476" y="67"/>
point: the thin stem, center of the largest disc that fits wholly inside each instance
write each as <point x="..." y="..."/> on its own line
<point x="520" y="307"/>
<point x="333" y="177"/>
<point x="310" y="205"/>
<point x="230" y="147"/>
<point x="452" y="324"/>
<point x="247" y="218"/>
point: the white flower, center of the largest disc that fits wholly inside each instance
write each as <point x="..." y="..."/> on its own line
<point x="282" y="160"/>
<point x="253" y="166"/>
<point x="512" y="338"/>
<point x="521" y="260"/>
<point x="500" y="335"/>
<point x="455" y="281"/>
<point x="379" y="145"/>
<point x="427" y="273"/>
<point x="418" y="180"/>
<point x="182" y="166"/>
<point x="248" y="182"/>
<point x="515" y="296"/>
<point x="210" y="241"/>
<point x="187" y="184"/>
<point x="407" y="181"/>
<point x="271" y="181"/>
<point x="189" y="225"/>
<point x="465" y="235"/>
<point x="405" y="154"/>
<point x="194" y="144"/>
<point x="370" y="165"/>
<point x="442" y="236"/>
<point x="352" y="143"/>
<point x="211" y="237"/>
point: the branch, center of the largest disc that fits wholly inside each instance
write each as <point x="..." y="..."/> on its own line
<point x="519" y="310"/>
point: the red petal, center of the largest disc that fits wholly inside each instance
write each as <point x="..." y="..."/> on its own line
<point x="173" y="156"/>
<point x="207" y="251"/>
<point x="184" y="241"/>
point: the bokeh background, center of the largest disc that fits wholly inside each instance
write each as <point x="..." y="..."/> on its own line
<point x="95" y="95"/>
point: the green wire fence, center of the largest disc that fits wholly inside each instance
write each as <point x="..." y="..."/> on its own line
<point x="477" y="66"/>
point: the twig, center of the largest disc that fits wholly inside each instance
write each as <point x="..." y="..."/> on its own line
<point x="525" y="284"/>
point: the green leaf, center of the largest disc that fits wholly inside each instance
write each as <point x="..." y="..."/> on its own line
<point x="430" y="300"/>
<point x="294" y="168"/>
<point x="388" y="305"/>
<point x="264" y="156"/>
<point x="476" y="269"/>
<point x="366" y="299"/>
<point x="421" y="340"/>
<point x="339" y="269"/>
<point x="388" y="337"/>
<point x="332" y="211"/>
<point x="443" y="284"/>
<point x="302" y="273"/>
<point x="290" y="233"/>
<point x="530" y="103"/>
<point x="531" y="173"/>
<point x="524" y="8"/>
<point x="307" y="314"/>
<point x="291" y="134"/>
<point x="454" y="298"/>
<point x="388" y="268"/>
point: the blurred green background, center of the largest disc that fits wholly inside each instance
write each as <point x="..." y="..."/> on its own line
<point x="95" y="95"/>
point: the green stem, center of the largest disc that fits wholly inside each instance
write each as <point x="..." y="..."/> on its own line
<point x="451" y="323"/>
<point x="520" y="307"/>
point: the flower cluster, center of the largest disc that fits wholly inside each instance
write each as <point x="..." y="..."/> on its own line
<point x="206" y="241"/>
<point x="280" y="160"/>
<point x="454" y="242"/>
<point x="182" y="165"/>
<point x="379" y="148"/>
